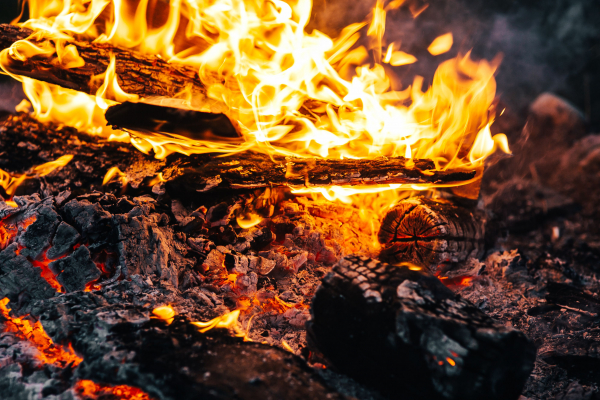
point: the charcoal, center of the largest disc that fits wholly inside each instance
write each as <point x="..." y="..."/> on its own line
<point x="403" y="331"/>
<point x="20" y="277"/>
<point x="65" y="238"/>
<point x="75" y="271"/>
<point x="90" y="219"/>
<point x="38" y="235"/>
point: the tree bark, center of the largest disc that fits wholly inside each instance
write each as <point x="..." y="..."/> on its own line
<point x="430" y="232"/>
<point x="403" y="331"/>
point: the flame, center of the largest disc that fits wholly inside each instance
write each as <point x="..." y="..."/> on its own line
<point x="441" y="44"/>
<point x="166" y="313"/>
<point x="49" y="353"/>
<point x="10" y="182"/>
<point x="86" y="389"/>
<point x="290" y="92"/>
<point x="249" y="220"/>
<point x="112" y="173"/>
<point x="225" y="321"/>
<point x="285" y="87"/>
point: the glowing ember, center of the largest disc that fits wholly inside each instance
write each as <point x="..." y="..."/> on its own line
<point x="49" y="353"/>
<point x="88" y="390"/>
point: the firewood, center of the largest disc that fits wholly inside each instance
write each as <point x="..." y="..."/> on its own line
<point x="403" y="331"/>
<point x="430" y="232"/>
<point x="144" y="75"/>
<point x="195" y="174"/>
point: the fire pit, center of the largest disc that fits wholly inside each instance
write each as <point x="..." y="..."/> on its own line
<point x="213" y="200"/>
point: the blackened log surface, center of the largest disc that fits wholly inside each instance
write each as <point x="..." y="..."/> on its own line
<point x="403" y="331"/>
<point x="76" y="270"/>
<point x="137" y="73"/>
<point x="122" y="345"/>
<point x="429" y="232"/>
<point x="250" y="171"/>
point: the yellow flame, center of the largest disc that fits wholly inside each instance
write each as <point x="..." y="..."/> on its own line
<point x="10" y="182"/>
<point x="112" y="173"/>
<point x="441" y="44"/>
<point x="290" y="92"/>
<point x="225" y="321"/>
<point x="166" y="313"/>
<point x="249" y="220"/>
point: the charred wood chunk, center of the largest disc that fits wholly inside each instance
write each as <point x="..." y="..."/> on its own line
<point x="38" y="235"/>
<point x="429" y="232"/>
<point x="403" y="331"/>
<point x="65" y="238"/>
<point x="76" y="270"/>
<point x="19" y="278"/>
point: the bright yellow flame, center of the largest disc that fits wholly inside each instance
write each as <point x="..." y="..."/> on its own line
<point x="441" y="44"/>
<point x="112" y="173"/>
<point x="249" y="220"/>
<point x="225" y="321"/>
<point x="10" y="182"/>
<point x="290" y="92"/>
<point x="166" y="313"/>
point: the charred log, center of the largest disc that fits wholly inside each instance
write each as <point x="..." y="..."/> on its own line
<point x="26" y="143"/>
<point x="403" y="331"/>
<point x="430" y="232"/>
<point x="143" y="75"/>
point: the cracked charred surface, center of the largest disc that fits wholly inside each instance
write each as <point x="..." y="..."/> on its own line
<point x="431" y="232"/>
<point x="137" y="73"/>
<point x="403" y="331"/>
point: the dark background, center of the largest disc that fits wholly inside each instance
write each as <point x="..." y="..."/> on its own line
<point x="546" y="45"/>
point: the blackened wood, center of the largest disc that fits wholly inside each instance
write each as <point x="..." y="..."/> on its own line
<point x="159" y="118"/>
<point x="251" y="171"/>
<point x="140" y="74"/>
<point x="25" y="143"/>
<point x="403" y="331"/>
<point x="430" y="232"/>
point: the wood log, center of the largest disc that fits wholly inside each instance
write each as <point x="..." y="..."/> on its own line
<point x="403" y="331"/>
<point x="26" y="143"/>
<point x="144" y="75"/>
<point x="431" y="232"/>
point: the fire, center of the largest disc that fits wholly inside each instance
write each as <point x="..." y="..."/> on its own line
<point x="86" y="389"/>
<point x="10" y="182"/>
<point x="166" y="313"/>
<point x="225" y="321"/>
<point x="291" y="92"/>
<point x="49" y="353"/>
<point x="441" y="44"/>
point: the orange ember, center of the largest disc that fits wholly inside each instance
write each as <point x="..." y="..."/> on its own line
<point x="88" y="390"/>
<point x="46" y="273"/>
<point x="50" y="353"/>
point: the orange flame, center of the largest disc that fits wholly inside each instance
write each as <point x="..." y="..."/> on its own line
<point x="166" y="313"/>
<point x="49" y="353"/>
<point x="10" y="182"/>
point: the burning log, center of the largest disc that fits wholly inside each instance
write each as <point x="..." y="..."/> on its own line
<point x="430" y="232"/>
<point x="403" y="331"/>
<point x="143" y="75"/>
<point x="196" y="174"/>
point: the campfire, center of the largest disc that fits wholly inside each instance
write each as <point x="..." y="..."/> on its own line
<point x="211" y="200"/>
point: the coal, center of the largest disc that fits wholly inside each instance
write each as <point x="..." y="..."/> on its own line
<point x="65" y="238"/>
<point x="75" y="271"/>
<point x="403" y="331"/>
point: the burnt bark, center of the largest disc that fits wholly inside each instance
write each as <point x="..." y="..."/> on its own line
<point x="403" y="331"/>
<point x="431" y="232"/>
<point x="144" y="75"/>
<point x="26" y="143"/>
